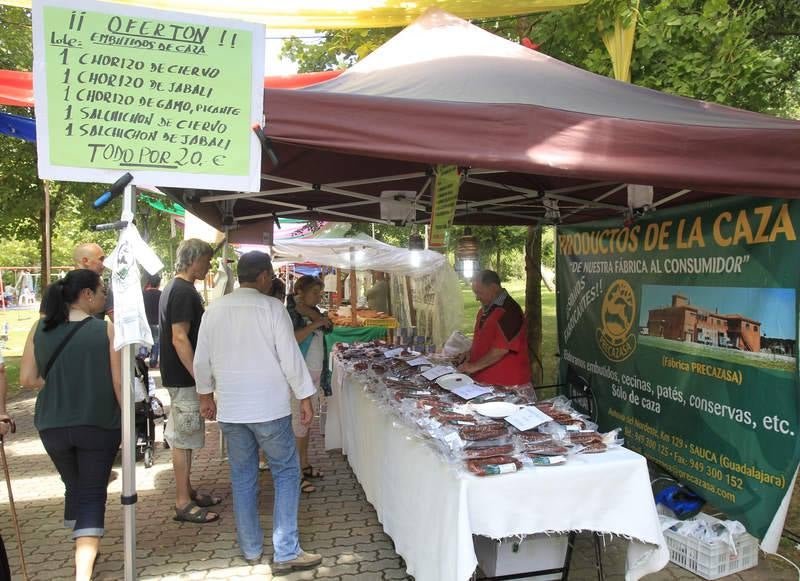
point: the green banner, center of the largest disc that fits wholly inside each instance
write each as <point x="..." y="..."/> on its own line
<point x="127" y="89"/>
<point x="445" y="196"/>
<point x="685" y="324"/>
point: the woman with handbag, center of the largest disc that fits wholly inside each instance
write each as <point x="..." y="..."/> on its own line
<point x="70" y="355"/>
<point x="309" y="326"/>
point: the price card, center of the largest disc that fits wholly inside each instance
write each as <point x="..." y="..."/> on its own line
<point x="470" y="391"/>
<point x="438" y="371"/>
<point x="393" y="352"/>
<point x="527" y="418"/>
<point x="419" y="361"/>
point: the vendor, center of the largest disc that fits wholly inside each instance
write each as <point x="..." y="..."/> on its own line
<point x="499" y="353"/>
<point x="378" y="295"/>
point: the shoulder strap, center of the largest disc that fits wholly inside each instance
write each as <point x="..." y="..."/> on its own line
<point x="63" y="344"/>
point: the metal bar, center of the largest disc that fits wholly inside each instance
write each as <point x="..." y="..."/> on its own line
<point x="128" y="462"/>
<point x="599" y="198"/>
<point x="395" y="178"/>
<point x="128" y="430"/>
<point x="591" y="204"/>
<point x="671" y="197"/>
<point x="251" y="195"/>
<point x="305" y="209"/>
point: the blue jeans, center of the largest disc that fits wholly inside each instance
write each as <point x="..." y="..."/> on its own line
<point x="83" y="456"/>
<point x="276" y="439"/>
<point x="154" y="329"/>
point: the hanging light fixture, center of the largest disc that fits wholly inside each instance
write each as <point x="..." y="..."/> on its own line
<point x="467" y="252"/>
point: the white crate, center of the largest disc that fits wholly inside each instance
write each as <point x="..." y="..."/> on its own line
<point x="510" y="556"/>
<point x="712" y="560"/>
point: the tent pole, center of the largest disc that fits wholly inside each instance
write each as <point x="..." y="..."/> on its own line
<point x="47" y="249"/>
<point x="353" y="291"/>
<point x="412" y="314"/>
<point x="128" y="438"/>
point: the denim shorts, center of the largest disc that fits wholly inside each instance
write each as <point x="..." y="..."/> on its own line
<point x="186" y="428"/>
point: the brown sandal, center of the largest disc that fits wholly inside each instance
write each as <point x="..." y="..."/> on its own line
<point x="199" y="516"/>
<point x="306" y="486"/>
<point x="312" y="473"/>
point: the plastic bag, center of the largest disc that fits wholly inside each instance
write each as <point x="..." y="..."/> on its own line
<point x="456" y="344"/>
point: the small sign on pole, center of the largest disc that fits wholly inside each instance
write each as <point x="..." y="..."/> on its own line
<point x="445" y="196"/>
<point x="169" y="96"/>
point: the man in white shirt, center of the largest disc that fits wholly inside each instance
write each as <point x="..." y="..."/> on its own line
<point x="246" y="354"/>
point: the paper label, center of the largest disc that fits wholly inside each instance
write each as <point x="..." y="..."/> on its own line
<point x="470" y="391"/>
<point x="419" y="361"/>
<point x="527" y="418"/>
<point x="506" y="468"/>
<point x="547" y="461"/>
<point x="438" y="371"/>
<point x="393" y="352"/>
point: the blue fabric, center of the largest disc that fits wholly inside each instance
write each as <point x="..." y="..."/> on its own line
<point x="309" y="270"/>
<point x="16" y="126"/>
<point x="276" y="439"/>
<point x="304" y="346"/>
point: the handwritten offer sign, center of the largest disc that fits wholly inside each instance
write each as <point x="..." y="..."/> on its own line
<point x="169" y="97"/>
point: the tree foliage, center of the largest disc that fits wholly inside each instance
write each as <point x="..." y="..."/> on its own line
<point x="22" y="192"/>
<point x="743" y="54"/>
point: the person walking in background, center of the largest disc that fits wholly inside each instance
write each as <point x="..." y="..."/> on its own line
<point x="152" y="295"/>
<point x="247" y="356"/>
<point x="90" y="256"/>
<point x="309" y="325"/>
<point x="70" y="355"/>
<point x="180" y="311"/>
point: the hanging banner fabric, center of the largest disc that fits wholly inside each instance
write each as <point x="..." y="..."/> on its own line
<point x="340" y="14"/>
<point x="445" y="196"/>
<point x="169" y="97"/>
<point x="16" y="126"/>
<point x="685" y="325"/>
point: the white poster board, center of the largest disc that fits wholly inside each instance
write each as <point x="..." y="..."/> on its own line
<point x="168" y="97"/>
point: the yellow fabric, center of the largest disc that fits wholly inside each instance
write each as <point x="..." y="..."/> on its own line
<point x="326" y="14"/>
<point x="619" y="44"/>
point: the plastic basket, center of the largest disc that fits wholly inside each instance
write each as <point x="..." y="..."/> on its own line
<point x="712" y="560"/>
<point x="390" y="323"/>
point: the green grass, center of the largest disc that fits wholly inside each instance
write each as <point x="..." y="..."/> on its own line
<point x="516" y="288"/>
<point x="19" y="324"/>
<point x="734" y="356"/>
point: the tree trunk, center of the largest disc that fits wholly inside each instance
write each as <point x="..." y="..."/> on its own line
<point x="533" y="300"/>
<point x="46" y="235"/>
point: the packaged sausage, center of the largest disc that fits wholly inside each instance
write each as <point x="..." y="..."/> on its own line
<point x="494" y="465"/>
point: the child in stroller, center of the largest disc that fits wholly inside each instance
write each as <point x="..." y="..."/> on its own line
<point x="148" y="409"/>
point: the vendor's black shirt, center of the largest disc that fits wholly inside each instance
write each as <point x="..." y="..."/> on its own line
<point x="179" y="303"/>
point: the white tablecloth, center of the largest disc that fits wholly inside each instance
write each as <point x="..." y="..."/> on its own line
<point x="431" y="508"/>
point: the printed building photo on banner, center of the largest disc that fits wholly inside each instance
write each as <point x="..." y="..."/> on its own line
<point x="684" y="324"/>
<point x="748" y="326"/>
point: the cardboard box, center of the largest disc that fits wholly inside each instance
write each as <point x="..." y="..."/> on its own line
<point x="512" y="555"/>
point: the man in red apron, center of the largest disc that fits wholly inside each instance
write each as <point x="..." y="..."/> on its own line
<point x="499" y="354"/>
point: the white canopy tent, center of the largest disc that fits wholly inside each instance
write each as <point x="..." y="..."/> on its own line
<point x="420" y="279"/>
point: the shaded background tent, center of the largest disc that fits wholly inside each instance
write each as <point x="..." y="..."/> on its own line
<point x="540" y="140"/>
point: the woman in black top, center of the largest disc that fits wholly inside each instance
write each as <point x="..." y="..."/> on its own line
<point x="70" y="355"/>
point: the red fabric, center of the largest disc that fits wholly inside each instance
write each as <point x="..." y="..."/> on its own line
<point x="535" y="140"/>
<point x="491" y="332"/>
<point x="16" y="87"/>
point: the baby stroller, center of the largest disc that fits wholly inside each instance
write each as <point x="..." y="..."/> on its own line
<point x="148" y="409"/>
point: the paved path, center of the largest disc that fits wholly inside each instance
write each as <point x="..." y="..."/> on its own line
<point x="335" y="521"/>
